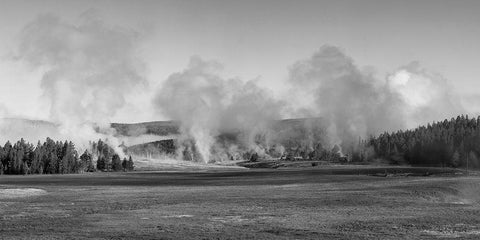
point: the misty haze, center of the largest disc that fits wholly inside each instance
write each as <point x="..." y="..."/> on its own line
<point x="269" y="119"/>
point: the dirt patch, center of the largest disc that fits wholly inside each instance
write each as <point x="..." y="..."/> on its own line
<point x="20" y="192"/>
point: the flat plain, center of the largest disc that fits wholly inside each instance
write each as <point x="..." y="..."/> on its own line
<point x="316" y="203"/>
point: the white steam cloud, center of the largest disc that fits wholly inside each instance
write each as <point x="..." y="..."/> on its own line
<point x="352" y="104"/>
<point x="88" y="68"/>
<point x="427" y="96"/>
<point x="207" y="105"/>
<point x="356" y="104"/>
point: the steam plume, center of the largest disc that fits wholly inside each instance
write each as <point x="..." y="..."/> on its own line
<point x="88" y="68"/>
<point x="356" y="104"/>
<point x="207" y="105"/>
<point x="353" y="102"/>
<point x="427" y="96"/>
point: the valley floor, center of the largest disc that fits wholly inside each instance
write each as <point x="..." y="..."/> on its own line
<point x="240" y="204"/>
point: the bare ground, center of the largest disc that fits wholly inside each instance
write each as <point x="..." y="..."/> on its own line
<point x="240" y="204"/>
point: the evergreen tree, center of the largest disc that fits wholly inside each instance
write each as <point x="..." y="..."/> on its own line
<point x="37" y="159"/>
<point x="53" y="163"/>
<point x="53" y="157"/>
<point x="86" y="163"/>
<point x="124" y="164"/>
<point x="445" y="143"/>
<point x="456" y="159"/>
<point x="101" y="163"/>
<point x="116" y="163"/>
<point x="130" y="165"/>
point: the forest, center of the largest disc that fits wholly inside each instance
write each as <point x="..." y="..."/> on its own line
<point x="56" y="157"/>
<point x="451" y="143"/>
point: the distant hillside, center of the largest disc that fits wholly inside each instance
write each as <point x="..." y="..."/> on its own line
<point x="165" y="128"/>
<point x="294" y="135"/>
<point x="40" y="127"/>
<point x="13" y="129"/>
<point x="153" y="149"/>
<point x="28" y="122"/>
<point x="298" y="136"/>
<point x="161" y="128"/>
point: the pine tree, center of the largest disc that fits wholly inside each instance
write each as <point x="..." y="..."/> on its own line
<point x="37" y="159"/>
<point x="434" y="144"/>
<point x="101" y="163"/>
<point x="86" y="163"/>
<point x="52" y="167"/>
<point x="124" y="164"/>
<point x="116" y="163"/>
<point x="53" y="157"/>
<point x="130" y="165"/>
<point x="456" y="159"/>
<point x="18" y="159"/>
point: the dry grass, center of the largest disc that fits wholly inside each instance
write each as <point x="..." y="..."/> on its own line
<point x="268" y="204"/>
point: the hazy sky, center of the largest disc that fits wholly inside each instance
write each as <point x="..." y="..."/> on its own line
<point x="262" y="39"/>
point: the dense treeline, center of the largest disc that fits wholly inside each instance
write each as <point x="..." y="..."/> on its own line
<point x="454" y="143"/>
<point x="107" y="159"/>
<point x="52" y="157"/>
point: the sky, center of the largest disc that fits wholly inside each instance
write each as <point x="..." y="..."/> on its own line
<point x="255" y="40"/>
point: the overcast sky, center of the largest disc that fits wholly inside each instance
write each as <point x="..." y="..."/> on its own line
<point x="260" y="39"/>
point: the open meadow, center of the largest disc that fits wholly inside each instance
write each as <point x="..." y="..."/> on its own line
<point x="316" y="203"/>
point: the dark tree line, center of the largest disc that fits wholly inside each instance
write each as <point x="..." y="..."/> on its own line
<point x="53" y="157"/>
<point x="454" y="143"/>
<point x="108" y="160"/>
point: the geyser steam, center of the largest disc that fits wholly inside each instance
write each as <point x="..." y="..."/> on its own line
<point x="207" y="105"/>
<point x="427" y="96"/>
<point x="88" y="68"/>
<point x="356" y="104"/>
<point x="353" y="102"/>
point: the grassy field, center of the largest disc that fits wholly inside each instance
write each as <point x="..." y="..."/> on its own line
<point x="320" y="203"/>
